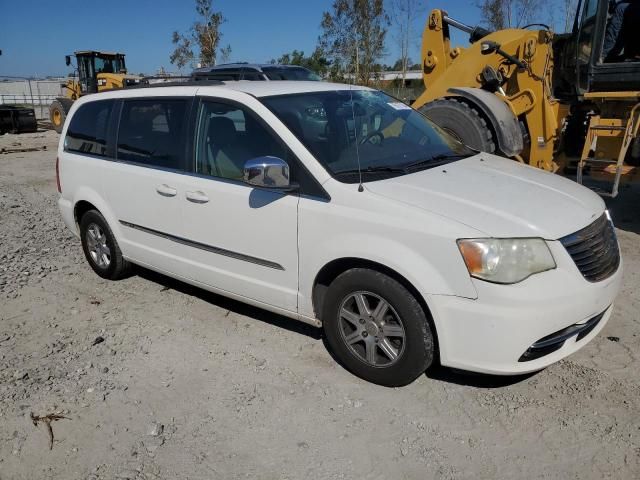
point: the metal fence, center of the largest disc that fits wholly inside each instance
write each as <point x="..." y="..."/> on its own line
<point x="35" y="93"/>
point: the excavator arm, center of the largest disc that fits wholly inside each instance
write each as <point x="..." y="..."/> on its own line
<point x="513" y="66"/>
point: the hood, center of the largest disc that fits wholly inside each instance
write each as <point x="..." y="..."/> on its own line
<point x="498" y="197"/>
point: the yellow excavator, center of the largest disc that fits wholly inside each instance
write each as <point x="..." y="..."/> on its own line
<point x="93" y="72"/>
<point x="538" y="97"/>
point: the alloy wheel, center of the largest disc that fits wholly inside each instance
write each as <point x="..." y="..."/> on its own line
<point x="97" y="246"/>
<point x="372" y="329"/>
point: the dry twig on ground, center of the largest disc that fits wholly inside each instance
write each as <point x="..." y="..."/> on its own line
<point x="47" y="419"/>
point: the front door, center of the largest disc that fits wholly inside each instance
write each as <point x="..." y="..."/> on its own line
<point x="243" y="240"/>
<point x="87" y="74"/>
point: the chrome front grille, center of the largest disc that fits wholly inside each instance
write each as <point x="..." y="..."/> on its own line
<point x="594" y="249"/>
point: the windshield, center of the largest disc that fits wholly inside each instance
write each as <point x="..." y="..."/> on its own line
<point x="109" y="64"/>
<point x="388" y="137"/>
<point x="289" y="73"/>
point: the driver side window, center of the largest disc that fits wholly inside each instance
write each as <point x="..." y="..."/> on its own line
<point x="227" y="137"/>
<point x="587" y="29"/>
<point x="622" y="39"/>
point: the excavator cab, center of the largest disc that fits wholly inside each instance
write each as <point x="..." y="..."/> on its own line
<point x="94" y="69"/>
<point x="601" y="62"/>
<point x="91" y="64"/>
<point x="94" y="72"/>
<point x="600" y="27"/>
<point x="583" y="63"/>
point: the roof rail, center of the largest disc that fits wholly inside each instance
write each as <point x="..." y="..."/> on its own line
<point x="185" y="83"/>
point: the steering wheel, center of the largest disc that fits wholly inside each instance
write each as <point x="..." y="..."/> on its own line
<point x="369" y="138"/>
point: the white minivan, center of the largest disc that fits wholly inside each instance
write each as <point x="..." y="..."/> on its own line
<point x="341" y="207"/>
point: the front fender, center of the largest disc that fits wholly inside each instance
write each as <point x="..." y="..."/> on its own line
<point x="413" y="265"/>
<point x="502" y="119"/>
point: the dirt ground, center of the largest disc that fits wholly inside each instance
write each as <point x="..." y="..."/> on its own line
<point x="159" y="380"/>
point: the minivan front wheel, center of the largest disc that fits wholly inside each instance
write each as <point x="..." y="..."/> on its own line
<point x="376" y="328"/>
<point x="100" y="247"/>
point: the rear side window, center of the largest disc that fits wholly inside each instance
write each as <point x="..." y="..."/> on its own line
<point x="252" y="74"/>
<point x="152" y="132"/>
<point x="87" y="131"/>
<point x="219" y="74"/>
<point x="290" y="73"/>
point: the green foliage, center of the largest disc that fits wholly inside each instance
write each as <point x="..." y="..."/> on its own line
<point x="316" y="62"/>
<point x="353" y="38"/>
<point x="225" y="54"/>
<point x="397" y="67"/>
<point x="183" y="53"/>
<point x="204" y="35"/>
<point x="408" y="18"/>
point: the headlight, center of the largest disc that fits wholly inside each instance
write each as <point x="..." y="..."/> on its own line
<point x="508" y="260"/>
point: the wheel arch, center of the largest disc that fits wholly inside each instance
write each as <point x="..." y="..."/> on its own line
<point x="87" y="199"/>
<point x="502" y="120"/>
<point x="80" y="208"/>
<point x="336" y="267"/>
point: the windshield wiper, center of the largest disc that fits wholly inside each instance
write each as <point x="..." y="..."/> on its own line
<point x="430" y="162"/>
<point x="435" y="161"/>
<point x="381" y="169"/>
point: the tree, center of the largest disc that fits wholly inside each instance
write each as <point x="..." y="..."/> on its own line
<point x="404" y="14"/>
<point x="501" y="14"/>
<point x="400" y="64"/>
<point x="570" y="10"/>
<point x="353" y="35"/>
<point x="225" y="54"/>
<point x="316" y="62"/>
<point x="204" y="35"/>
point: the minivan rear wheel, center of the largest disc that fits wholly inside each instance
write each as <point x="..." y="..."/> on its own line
<point x="376" y="328"/>
<point x="101" y="248"/>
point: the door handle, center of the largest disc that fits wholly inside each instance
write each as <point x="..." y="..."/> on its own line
<point x="166" y="191"/>
<point x="197" y="197"/>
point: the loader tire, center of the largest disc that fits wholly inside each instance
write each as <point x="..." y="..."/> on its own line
<point x="633" y="157"/>
<point x="58" y="112"/>
<point x="461" y="121"/>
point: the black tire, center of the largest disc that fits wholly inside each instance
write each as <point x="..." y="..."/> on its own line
<point x="416" y="352"/>
<point x="117" y="267"/>
<point x="462" y="121"/>
<point x="58" y="111"/>
<point x="633" y="157"/>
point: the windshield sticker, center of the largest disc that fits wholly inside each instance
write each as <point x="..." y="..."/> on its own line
<point x="399" y="106"/>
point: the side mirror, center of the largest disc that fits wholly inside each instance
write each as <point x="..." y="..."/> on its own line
<point x="267" y="172"/>
<point x="67" y="60"/>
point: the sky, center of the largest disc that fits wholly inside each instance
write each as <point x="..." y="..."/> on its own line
<point x="36" y="35"/>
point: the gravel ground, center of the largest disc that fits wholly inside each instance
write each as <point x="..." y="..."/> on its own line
<point x="159" y="380"/>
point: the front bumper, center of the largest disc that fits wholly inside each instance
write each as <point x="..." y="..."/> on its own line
<point x="493" y="333"/>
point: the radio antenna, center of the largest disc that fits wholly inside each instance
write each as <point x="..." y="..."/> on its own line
<point x="355" y="127"/>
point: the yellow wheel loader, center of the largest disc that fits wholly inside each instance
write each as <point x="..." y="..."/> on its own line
<point x="93" y="72"/>
<point x="538" y="97"/>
